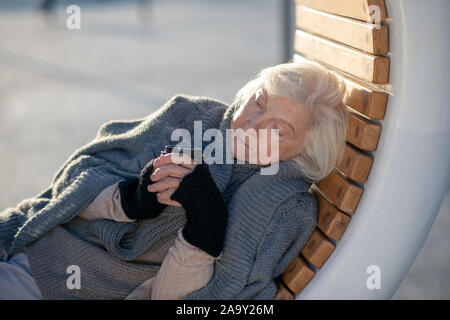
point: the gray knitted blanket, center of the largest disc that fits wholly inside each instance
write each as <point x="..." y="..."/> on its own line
<point x="270" y="216"/>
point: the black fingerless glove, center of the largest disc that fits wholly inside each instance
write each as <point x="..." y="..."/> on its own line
<point x="206" y="211"/>
<point x="137" y="202"/>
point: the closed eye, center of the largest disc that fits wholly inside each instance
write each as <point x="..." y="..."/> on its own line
<point x="258" y="103"/>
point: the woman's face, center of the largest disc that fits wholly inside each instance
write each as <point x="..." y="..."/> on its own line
<point x="264" y="111"/>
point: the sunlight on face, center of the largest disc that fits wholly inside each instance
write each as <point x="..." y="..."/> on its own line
<point x="264" y="111"/>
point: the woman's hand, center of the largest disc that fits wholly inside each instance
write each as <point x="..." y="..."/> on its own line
<point x="178" y="181"/>
<point x="168" y="171"/>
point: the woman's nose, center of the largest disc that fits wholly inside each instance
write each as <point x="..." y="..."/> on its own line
<point x="253" y="123"/>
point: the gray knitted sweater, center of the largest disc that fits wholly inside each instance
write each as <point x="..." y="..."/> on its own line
<point x="270" y="216"/>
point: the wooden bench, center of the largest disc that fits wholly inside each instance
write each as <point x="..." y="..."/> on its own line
<point x="342" y="36"/>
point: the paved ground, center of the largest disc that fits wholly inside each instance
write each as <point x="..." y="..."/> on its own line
<point x="58" y="86"/>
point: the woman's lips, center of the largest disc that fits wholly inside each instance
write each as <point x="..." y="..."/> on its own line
<point x="243" y="141"/>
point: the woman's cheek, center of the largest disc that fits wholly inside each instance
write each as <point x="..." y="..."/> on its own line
<point x="264" y="146"/>
<point x="264" y="150"/>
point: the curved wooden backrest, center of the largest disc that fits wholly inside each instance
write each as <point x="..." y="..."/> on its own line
<point x="344" y="36"/>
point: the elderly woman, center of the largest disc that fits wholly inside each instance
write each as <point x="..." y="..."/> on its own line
<point x="119" y="221"/>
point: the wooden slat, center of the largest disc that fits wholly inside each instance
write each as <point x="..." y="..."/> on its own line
<point x="317" y="249"/>
<point x="369" y="101"/>
<point x="360" y="96"/>
<point x="355" y="164"/>
<point x="297" y="275"/>
<point x="362" y="133"/>
<point x="283" y="293"/>
<point x="362" y="65"/>
<point x="357" y="9"/>
<point x="331" y="221"/>
<point x="341" y="192"/>
<point x="364" y="36"/>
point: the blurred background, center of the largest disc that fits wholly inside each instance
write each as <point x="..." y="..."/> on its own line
<point x="57" y="86"/>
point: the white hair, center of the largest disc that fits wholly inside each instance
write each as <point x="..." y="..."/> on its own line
<point x="322" y="91"/>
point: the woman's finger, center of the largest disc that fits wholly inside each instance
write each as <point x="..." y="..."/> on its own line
<point x="172" y="170"/>
<point x="181" y="159"/>
<point x="164" y="198"/>
<point x="164" y="184"/>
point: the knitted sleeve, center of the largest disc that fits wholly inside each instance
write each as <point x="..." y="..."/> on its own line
<point x="289" y="231"/>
